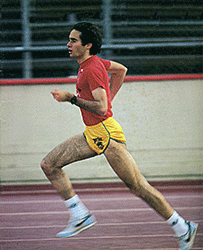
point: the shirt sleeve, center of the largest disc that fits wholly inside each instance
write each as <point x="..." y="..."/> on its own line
<point x="95" y="79"/>
<point x="106" y="63"/>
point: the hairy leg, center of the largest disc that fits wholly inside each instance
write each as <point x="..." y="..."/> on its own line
<point x="71" y="150"/>
<point x="125" y="167"/>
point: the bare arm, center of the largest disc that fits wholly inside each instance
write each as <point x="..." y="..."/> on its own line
<point x="98" y="106"/>
<point x="117" y="72"/>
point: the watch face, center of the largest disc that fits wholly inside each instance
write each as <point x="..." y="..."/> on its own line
<point x="74" y="99"/>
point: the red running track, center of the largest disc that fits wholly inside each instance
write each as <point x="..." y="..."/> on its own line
<point x="30" y="218"/>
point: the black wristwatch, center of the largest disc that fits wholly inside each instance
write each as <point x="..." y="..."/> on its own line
<point x="73" y="100"/>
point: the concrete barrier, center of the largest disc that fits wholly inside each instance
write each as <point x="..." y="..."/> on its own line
<point x="162" y="121"/>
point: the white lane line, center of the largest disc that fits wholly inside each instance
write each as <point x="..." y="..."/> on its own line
<point x="98" y="211"/>
<point x="98" y="224"/>
<point x="199" y="196"/>
<point x="92" y="238"/>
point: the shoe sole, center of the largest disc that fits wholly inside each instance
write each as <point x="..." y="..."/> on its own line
<point x="78" y="231"/>
<point x="192" y="239"/>
<point x="194" y="234"/>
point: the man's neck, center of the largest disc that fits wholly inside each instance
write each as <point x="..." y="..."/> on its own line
<point x="81" y="60"/>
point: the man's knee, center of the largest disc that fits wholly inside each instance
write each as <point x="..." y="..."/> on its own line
<point x="134" y="187"/>
<point x="139" y="187"/>
<point x="47" y="168"/>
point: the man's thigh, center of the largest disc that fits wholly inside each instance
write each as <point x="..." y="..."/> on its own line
<point x="71" y="150"/>
<point x="123" y="163"/>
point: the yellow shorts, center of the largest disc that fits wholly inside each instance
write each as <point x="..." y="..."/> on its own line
<point x="98" y="136"/>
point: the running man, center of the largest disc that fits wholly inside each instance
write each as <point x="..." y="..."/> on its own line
<point x="103" y="135"/>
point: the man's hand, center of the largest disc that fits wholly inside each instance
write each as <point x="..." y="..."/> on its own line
<point x="61" y="96"/>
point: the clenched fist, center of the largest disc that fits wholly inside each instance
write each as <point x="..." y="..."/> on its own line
<point x="61" y="96"/>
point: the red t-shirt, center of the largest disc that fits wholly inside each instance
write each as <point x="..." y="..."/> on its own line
<point x="92" y="74"/>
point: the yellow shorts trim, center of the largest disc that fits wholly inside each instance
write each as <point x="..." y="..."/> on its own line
<point x="98" y="136"/>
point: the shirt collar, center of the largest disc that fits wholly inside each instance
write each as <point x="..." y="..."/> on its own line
<point x="87" y="61"/>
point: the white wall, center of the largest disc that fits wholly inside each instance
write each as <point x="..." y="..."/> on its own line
<point x="162" y="121"/>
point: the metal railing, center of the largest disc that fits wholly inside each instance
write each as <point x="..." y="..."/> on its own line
<point x="110" y="43"/>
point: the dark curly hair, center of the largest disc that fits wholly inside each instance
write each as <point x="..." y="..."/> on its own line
<point x="90" y="34"/>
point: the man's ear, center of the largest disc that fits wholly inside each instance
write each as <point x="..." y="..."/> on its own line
<point x="89" y="45"/>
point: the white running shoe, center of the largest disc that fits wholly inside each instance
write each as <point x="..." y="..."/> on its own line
<point x="77" y="226"/>
<point x="186" y="241"/>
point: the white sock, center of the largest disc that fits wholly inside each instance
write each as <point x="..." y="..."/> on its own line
<point x="178" y="224"/>
<point x="76" y="208"/>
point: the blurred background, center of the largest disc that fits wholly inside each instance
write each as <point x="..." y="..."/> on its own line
<point x="148" y="36"/>
<point x="162" y="120"/>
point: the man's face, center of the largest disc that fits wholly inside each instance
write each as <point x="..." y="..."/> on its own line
<point x="76" y="50"/>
